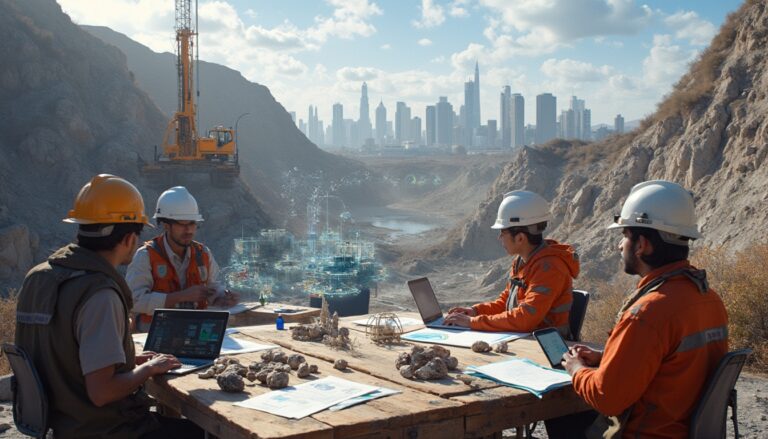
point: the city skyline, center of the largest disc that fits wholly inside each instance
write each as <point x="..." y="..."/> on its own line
<point x="623" y="54"/>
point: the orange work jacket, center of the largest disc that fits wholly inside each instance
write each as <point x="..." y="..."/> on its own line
<point x="538" y="295"/>
<point x="164" y="276"/>
<point x="660" y="354"/>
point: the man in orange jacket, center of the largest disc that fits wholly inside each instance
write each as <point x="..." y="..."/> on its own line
<point x="539" y="290"/>
<point x="173" y="270"/>
<point x="671" y="331"/>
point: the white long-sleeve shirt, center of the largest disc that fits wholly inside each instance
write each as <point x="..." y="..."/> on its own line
<point x="139" y="278"/>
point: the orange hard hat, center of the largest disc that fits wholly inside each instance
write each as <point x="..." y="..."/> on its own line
<point x="108" y="199"/>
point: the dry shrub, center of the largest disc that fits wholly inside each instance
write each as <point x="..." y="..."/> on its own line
<point x="742" y="281"/>
<point x="7" y="326"/>
<point x="605" y="301"/>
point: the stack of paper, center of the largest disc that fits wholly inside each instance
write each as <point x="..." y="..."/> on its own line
<point x="305" y="399"/>
<point x="523" y="374"/>
<point x="460" y="338"/>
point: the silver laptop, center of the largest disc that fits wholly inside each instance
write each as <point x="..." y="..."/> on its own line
<point x="427" y="304"/>
<point x="192" y="336"/>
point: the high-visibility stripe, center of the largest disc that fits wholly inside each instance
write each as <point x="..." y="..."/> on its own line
<point x="33" y="318"/>
<point x="562" y="308"/>
<point x="702" y="338"/>
<point x="529" y="308"/>
<point x="541" y="289"/>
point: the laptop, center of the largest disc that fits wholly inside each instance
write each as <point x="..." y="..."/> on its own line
<point x="427" y="304"/>
<point x="192" y="336"/>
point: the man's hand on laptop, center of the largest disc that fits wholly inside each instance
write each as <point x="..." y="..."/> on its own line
<point x="457" y="319"/>
<point x="144" y="357"/>
<point x="463" y="310"/>
<point x="161" y="363"/>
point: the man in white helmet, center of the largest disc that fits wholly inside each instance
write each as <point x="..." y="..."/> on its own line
<point x="173" y="270"/>
<point x="539" y="291"/>
<point x="670" y="332"/>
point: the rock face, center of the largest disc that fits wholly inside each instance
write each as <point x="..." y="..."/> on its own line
<point x="70" y="109"/>
<point x="710" y="135"/>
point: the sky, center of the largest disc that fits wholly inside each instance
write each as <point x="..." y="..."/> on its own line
<point x="621" y="56"/>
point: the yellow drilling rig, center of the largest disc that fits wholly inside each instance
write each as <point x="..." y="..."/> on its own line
<point x="184" y="151"/>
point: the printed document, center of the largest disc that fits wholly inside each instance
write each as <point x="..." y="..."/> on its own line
<point x="405" y="321"/>
<point x="523" y="373"/>
<point x="460" y="338"/>
<point x="305" y="399"/>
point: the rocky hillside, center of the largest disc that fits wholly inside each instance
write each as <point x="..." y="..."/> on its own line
<point x="69" y="109"/>
<point x="710" y="134"/>
<point x="276" y="157"/>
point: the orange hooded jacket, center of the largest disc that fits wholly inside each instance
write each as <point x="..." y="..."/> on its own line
<point x="659" y="356"/>
<point x="542" y="293"/>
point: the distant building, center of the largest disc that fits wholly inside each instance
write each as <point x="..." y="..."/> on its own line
<point x="618" y="124"/>
<point x="431" y="125"/>
<point x="530" y="134"/>
<point x="339" y="138"/>
<point x="444" y="122"/>
<point x="364" y="122"/>
<point x="491" y="134"/>
<point x="416" y="131"/>
<point x="402" y="123"/>
<point x="381" y="123"/>
<point x="468" y="112"/>
<point x="546" y="118"/>
<point x="293" y="116"/>
<point x="517" y="117"/>
<point x="586" y="125"/>
<point x="505" y="116"/>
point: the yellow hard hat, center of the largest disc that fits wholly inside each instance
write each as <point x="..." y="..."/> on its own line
<point x="108" y="199"/>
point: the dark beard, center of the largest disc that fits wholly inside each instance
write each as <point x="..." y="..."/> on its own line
<point x="630" y="266"/>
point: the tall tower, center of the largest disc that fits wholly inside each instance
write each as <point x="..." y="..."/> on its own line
<point x="476" y="110"/>
<point x="546" y="118"/>
<point x="505" y="101"/>
<point x="364" y="123"/>
<point x="431" y="125"/>
<point x="469" y="113"/>
<point x="444" y="122"/>
<point x="381" y="123"/>
<point x="339" y="134"/>
<point x="517" y="117"/>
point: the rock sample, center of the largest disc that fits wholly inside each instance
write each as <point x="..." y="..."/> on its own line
<point x="430" y="363"/>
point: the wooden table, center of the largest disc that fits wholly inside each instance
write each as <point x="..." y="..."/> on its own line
<point x="425" y="409"/>
<point x="266" y="315"/>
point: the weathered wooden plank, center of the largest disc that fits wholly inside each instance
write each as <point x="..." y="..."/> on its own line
<point x="266" y="315"/>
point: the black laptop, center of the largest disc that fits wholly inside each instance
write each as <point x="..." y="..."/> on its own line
<point x="428" y="306"/>
<point x="192" y="336"/>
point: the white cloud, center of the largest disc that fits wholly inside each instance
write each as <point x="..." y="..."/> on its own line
<point x="431" y="15"/>
<point x="573" y="71"/>
<point x="350" y="19"/>
<point x="533" y="27"/>
<point x="666" y="62"/>
<point x="358" y="74"/>
<point x="438" y="59"/>
<point x="425" y="42"/>
<point x="386" y="46"/>
<point x="688" y="26"/>
<point x="250" y="13"/>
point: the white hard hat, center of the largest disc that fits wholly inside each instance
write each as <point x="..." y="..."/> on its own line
<point x="663" y="206"/>
<point x="177" y="204"/>
<point x="521" y="208"/>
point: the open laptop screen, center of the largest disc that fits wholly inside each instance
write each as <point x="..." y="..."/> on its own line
<point x="187" y="333"/>
<point x="425" y="299"/>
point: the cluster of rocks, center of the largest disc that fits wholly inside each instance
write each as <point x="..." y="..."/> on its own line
<point x="325" y="329"/>
<point x="273" y="371"/>
<point x="482" y="346"/>
<point x="431" y="363"/>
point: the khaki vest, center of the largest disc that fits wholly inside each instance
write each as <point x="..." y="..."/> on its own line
<point x="50" y="298"/>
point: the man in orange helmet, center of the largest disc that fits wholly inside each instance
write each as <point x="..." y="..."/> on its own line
<point x="73" y="322"/>
<point x="173" y="270"/>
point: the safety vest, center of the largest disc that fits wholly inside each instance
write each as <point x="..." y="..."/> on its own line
<point x="164" y="276"/>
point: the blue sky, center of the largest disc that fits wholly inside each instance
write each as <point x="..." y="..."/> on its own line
<point x="621" y="56"/>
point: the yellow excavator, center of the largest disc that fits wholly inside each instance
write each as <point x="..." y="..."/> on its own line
<point x="184" y="151"/>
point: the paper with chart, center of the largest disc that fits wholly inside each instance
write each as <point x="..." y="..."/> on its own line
<point x="523" y="373"/>
<point x="229" y="346"/>
<point x="404" y="321"/>
<point x="460" y="338"/>
<point x="305" y="399"/>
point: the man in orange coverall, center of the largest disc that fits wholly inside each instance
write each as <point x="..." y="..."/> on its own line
<point x="539" y="290"/>
<point x="670" y="334"/>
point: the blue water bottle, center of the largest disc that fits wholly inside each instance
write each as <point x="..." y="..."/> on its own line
<point x="279" y="322"/>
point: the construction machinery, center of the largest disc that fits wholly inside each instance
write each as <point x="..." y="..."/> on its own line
<point x="184" y="151"/>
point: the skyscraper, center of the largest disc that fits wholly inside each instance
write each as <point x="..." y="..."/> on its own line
<point x="476" y="107"/>
<point x="444" y="122"/>
<point x="586" y="125"/>
<point x="416" y="130"/>
<point x="469" y="113"/>
<point x="338" y="125"/>
<point x="618" y="124"/>
<point x="546" y="118"/>
<point x="517" y="116"/>
<point x="381" y="123"/>
<point x="364" y="123"/>
<point x="505" y="116"/>
<point x="402" y="123"/>
<point x="431" y="123"/>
